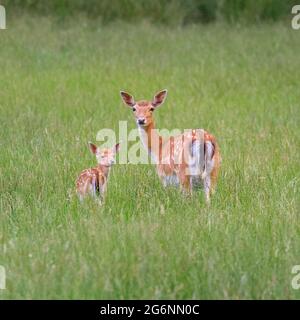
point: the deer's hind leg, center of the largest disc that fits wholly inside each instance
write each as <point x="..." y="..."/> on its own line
<point x="212" y="166"/>
<point x="207" y="188"/>
<point x="215" y="171"/>
<point x="213" y="177"/>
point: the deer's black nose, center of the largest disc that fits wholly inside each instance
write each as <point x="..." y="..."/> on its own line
<point x="141" y="121"/>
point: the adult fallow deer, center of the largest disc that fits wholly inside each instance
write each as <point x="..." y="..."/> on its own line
<point x="189" y="159"/>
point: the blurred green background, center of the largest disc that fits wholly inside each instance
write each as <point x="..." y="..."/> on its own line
<point x="172" y="12"/>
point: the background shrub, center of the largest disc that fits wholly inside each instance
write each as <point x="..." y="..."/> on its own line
<point x="173" y="12"/>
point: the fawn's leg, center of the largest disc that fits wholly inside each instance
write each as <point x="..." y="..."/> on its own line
<point x="102" y="192"/>
<point x="94" y="187"/>
<point x="80" y="196"/>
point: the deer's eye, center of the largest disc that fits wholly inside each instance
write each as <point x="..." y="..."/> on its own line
<point x="133" y="109"/>
<point x="151" y="109"/>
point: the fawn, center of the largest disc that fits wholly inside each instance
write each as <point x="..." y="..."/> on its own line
<point x="93" y="181"/>
<point x="173" y="155"/>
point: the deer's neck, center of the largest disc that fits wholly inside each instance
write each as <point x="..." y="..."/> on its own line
<point x="151" y="140"/>
<point x="104" y="169"/>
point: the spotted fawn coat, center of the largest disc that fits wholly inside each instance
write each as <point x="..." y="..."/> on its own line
<point x="93" y="181"/>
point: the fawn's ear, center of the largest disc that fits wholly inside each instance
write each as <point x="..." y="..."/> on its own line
<point x="116" y="148"/>
<point x="127" y="98"/>
<point x="92" y="147"/>
<point x="159" y="98"/>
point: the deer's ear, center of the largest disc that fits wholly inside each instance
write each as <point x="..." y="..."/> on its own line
<point x="127" y="98"/>
<point x="117" y="148"/>
<point x="92" y="147"/>
<point x="159" y="98"/>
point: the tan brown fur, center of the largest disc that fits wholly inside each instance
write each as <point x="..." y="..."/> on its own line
<point x="166" y="150"/>
<point x="93" y="181"/>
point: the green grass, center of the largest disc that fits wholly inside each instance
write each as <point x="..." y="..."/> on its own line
<point x="60" y="84"/>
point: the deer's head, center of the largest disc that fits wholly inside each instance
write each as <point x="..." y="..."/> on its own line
<point x="143" y="109"/>
<point x="105" y="157"/>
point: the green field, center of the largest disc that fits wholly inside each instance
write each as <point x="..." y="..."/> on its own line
<point x="60" y="84"/>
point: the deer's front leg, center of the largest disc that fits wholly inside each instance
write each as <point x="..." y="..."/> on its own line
<point x="163" y="180"/>
<point x="162" y="175"/>
<point x="185" y="183"/>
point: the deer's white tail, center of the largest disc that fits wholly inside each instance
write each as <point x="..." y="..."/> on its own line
<point x="209" y="150"/>
<point x="197" y="158"/>
<point x="202" y="158"/>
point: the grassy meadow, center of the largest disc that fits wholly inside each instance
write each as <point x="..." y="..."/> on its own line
<point x="60" y="85"/>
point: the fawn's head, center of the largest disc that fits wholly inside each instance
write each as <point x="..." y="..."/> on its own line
<point x="105" y="157"/>
<point x="143" y="109"/>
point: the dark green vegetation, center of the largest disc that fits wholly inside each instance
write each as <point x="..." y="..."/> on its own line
<point x="174" y="12"/>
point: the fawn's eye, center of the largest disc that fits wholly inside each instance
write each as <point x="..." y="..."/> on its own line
<point x="133" y="109"/>
<point x="151" y="109"/>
